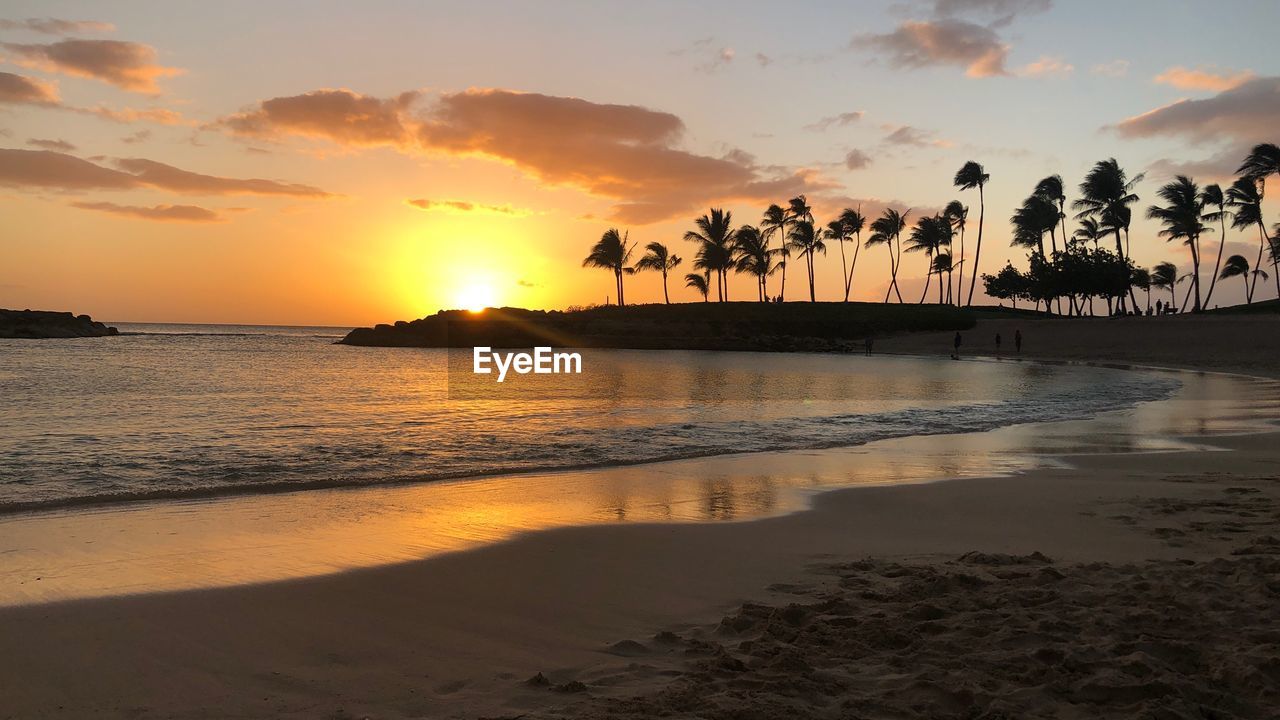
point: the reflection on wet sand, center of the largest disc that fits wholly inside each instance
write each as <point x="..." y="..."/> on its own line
<point x="175" y="545"/>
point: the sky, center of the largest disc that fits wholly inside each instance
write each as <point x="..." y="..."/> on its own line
<point x="318" y="163"/>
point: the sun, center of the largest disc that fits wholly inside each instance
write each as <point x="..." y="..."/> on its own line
<point x="475" y="297"/>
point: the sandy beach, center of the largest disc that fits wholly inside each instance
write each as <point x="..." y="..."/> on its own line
<point x="1134" y="585"/>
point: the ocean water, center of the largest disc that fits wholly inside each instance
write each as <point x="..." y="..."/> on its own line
<point x="174" y="411"/>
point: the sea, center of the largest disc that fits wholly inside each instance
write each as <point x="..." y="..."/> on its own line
<point x="171" y="412"/>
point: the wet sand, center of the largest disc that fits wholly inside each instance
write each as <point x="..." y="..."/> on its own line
<point x="1245" y="344"/>
<point x="1125" y="585"/>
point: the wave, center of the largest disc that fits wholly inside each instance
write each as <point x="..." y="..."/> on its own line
<point x="572" y="449"/>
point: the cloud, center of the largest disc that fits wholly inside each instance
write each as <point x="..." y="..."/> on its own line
<point x="168" y="213"/>
<point x="1247" y="112"/>
<point x="917" y="44"/>
<point x="526" y="283"/>
<point x="53" y="26"/>
<point x="340" y="115"/>
<point x="913" y="137"/>
<point x="59" y="145"/>
<point x="840" y="120"/>
<point x="626" y="153"/>
<point x="46" y="169"/>
<point x="462" y="206"/>
<point x="856" y="160"/>
<point x="23" y="90"/>
<point x="1115" y="68"/>
<point x="721" y="59"/>
<point x="1004" y="11"/>
<point x="1047" y="67"/>
<point x="159" y="116"/>
<point x="763" y="60"/>
<point x="135" y="138"/>
<point x="168" y="177"/>
<point x="1203" y="78"/>
<point x="127" y="65"/>
<point x="1219" y="166"/>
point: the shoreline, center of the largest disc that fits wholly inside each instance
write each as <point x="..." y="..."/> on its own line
<point x="123" y="500"/>
<point x="585" y="607"/>
<point x="477" y="623"/>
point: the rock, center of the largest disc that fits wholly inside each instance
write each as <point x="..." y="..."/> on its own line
<point x="42" y="324"/>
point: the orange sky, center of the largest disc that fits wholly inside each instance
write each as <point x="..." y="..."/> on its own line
<point x="336" y="167"/>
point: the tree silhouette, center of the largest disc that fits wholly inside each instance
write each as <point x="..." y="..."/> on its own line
<point x="806" y="241"/>
<point x="715" y="254"/>
<point x="1106" y="194"/>
<point x="1181" y="218"/>
<point x="775" y="221"/>
<point x="959" y="215"/>
<point x="752" y="256"/>
<point x="1212" y="196"/>
<point x="658" y="257"/>
<point x="972" y="175"/>
<point x="699" y="282"/>
<point x="1238" y="265"/>
<point x="886" y="230"/>
<point x="1165" y="275"/>
<point x="611" y="252"/>
<point x="1244" y="197"/>
<point x="852" y="222"/>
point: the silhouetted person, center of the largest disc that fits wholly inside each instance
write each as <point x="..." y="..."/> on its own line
<point x="867" y="344"/>
<point x="1159" y="307"/>
<point x="998" y="339"/>
<point x="956" y="344"/>
<point x="1017" y="340"/>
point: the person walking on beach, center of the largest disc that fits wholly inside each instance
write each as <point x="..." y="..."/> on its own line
<point x="998" y="344"/>
<point x="956" y="343"/>
<point x="867" y="343"/>
<point x="1017" y="341"/>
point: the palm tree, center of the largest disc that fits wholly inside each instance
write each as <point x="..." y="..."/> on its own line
<point x="715" y="235"/>
<point x="752" y="256"/>
<point x="929" y="236"/>
<point x="1244" y="197"/>
<point x="612" y="252"/>
<point x="806" y="240"/>
<point x="1106" y="194"/>
<point x="886" y="230"/>
<point x="1237" y="265"/>
<point x="658" y="257"/>
<point x="1262" y="161"/>
<point x="853" y="222"/>
<point x="1142" y="279"/>
<point x="1165" y="275"/>
<point x="699" y="282"/>
<point x="942" y="264"/>
<point x="1051" y="189"/>
<point x="1181" y="220"/>
<point x="969" y="176"/>
<point x="958" y="214"/>
<point x="1212" y="196"/>
<point x="776" y="220"/>
<point x="1089" y="231"/>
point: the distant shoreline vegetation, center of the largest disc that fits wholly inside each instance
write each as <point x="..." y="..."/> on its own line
<point x="44" y="325"/>
<point x="1066" y="277"/>
<point x="686" y="326"/>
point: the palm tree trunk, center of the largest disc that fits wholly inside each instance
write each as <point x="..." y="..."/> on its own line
<point x="1217" y="266"/>
<point x="1195" y="268"/>
<point x="1262" y="244"/>
<point x="665" y="298"/>
<point x="960" y="284"/>
<point x="618" y="274"/>
<point x="977" y="251"/>
<point x="782" y="292"/>
<point x="1248" y="292"/>
<point x="928" y="278"/>
<point x="812" y="295"/>
<point x="857" y="246"/>
<point x="844" y="267"/>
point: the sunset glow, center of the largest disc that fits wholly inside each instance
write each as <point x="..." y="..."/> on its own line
<point x="154" y="173"/>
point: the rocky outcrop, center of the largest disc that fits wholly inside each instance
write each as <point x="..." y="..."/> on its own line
<point x="46" y="324"/>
